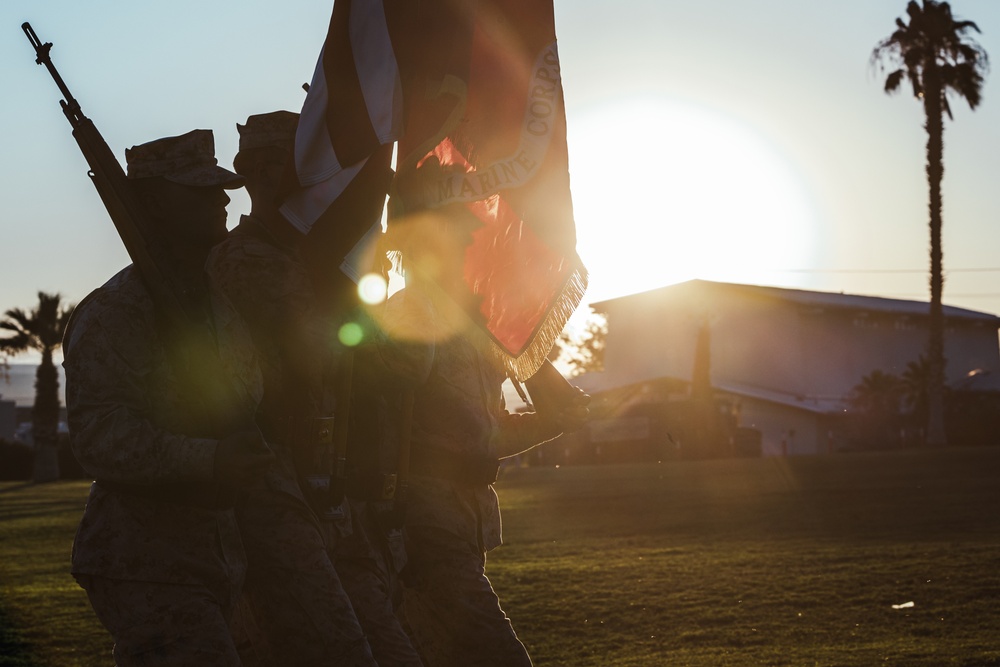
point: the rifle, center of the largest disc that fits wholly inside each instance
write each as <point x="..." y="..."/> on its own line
<point x="178" y="302"/>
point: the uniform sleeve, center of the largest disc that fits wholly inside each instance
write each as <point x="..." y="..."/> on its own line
<point x="108" y="359"/>
<point x="403" y="350"/>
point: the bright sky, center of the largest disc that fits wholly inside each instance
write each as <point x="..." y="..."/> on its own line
<point x="718" y="139"/>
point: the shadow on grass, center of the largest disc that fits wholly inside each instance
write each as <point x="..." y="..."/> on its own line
<point x="9" y="488"/>
<point x="14" y="651"/>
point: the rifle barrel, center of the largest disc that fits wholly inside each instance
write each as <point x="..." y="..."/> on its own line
<point x="69" y="105"/>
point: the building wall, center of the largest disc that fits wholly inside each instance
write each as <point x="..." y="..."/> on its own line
<point x="841" y="346"/>
<point x="785" y="431"/>
<point x="970" y="346"/>
<point x="756" y="342"/>
<point x="788" y="350"/>
<point x="778" y="345"/>
<point x="644" y="344"/>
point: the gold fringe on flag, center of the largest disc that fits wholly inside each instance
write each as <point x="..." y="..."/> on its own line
<point x="531" y="358"/>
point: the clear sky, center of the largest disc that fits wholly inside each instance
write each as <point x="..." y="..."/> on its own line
<point x="716" y="139"/>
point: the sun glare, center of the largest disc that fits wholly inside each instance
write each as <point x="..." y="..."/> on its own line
<point x="372" y="289"/>
<point x="664" y="192"/>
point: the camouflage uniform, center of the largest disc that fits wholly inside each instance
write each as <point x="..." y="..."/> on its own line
<point x="158" y="549"/>
<point x="369" y="562"/>
<point x="294" y="593"/>
<point x="371" y="558"/>
<point x="452" y="514"/>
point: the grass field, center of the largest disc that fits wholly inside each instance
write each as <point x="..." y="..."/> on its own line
<point x="746" y="562"/>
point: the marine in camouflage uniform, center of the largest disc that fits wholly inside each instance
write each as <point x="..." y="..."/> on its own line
<point x="370" y="560"/>
<point x="158" y="550"/>
<point x="461" y="430"/>
<point x="295" y="598"/>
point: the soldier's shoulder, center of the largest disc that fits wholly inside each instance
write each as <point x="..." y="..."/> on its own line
<point x="240" y="249"/>
<point x="123" y="298"/>
<point x="124" y="290"/>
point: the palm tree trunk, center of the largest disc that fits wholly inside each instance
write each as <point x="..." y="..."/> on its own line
<point x="702" y="404"/>
<point x="935" y="172"/>
<point x="45" y="421"/>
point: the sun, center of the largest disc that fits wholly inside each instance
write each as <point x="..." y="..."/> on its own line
<point x="665" y="192"/>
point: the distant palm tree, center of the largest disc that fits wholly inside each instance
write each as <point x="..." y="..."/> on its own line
<point x="41" y="330"/>
<point x="875" y="405"/>
<point x="878" y="394"/>
<point x="915" y="381"/>
<point x="934" y="53"/>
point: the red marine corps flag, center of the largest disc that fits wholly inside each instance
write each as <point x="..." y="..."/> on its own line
<point x="471" y="91"/>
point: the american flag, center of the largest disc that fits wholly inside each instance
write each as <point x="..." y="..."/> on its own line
<point x="471" y="91"/>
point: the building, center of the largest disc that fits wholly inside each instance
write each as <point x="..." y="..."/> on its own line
<point x="785" y="360"/>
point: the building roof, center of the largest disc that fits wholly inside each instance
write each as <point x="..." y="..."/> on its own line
<point x="816" y="404"/>
<point x="805" y="298"/>
<point x="598" y="382"/>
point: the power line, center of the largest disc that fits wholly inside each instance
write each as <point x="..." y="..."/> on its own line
<point x="992" y="269"/>
<point x="947" y="295"/>
<point x="971" y="295"/>
<point x="989" y="270"/>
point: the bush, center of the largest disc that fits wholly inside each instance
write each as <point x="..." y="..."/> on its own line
<point x="15" y="461"/>
<point x="69" y="467"/>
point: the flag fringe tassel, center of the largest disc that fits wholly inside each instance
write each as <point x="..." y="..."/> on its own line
<point x="527" y="363"/>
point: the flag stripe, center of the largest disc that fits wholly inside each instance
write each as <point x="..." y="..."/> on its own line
<point x="353" y="107"/>
<point x="378" y="71"/>
<point x="315" y="159"/>
<point x="306" y="205"/>
<point x="348" y="120"/>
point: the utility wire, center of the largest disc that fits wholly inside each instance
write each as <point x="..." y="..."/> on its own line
<point x="982" y="270"/>
<point x="949" y="295"/>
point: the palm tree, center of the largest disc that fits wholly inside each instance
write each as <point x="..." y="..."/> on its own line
<point x="877" y="394"/>
<point x="41" y="331"/>
<point x="875" y="402"/>
<point x="934" y="53"/>
<point x="914" y="387"/>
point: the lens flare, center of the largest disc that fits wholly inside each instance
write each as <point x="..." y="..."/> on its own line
<point x="351" y="334"/>
<point x="372" y="289"/>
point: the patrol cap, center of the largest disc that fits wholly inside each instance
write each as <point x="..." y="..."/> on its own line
<point x="266" y="130"/>
<point x="188" y="159"/>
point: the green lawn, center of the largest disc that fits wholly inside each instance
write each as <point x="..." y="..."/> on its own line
<point x="766" y="562"/>
<point x="744" y="562"/>
<point x="45" y="619"/>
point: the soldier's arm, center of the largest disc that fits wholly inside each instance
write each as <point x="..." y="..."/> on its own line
<point x="107" y="362"/>
<point x="520" y="432"/>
